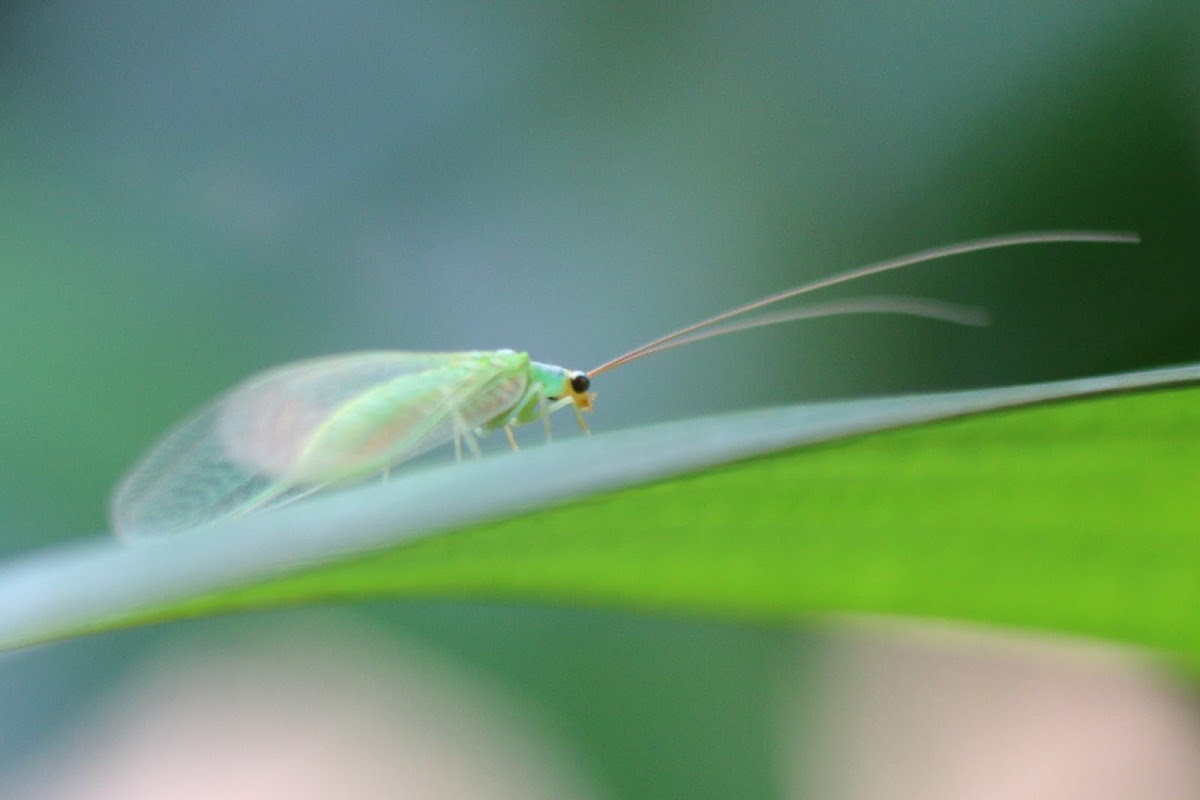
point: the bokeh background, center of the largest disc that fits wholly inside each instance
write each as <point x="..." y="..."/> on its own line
<point x="192" y="192"/>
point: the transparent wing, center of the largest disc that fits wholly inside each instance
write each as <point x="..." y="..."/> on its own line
<point x="291" y="430"/>
<point x="187" y="479"/>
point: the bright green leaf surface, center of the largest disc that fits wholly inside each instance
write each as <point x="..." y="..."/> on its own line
<point x="1078" y="517"/>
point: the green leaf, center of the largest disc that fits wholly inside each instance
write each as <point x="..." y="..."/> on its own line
<point x="1078" y="516"/>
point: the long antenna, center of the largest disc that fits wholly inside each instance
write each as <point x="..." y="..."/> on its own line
<point x="909" y="306"/>
<point x="932" y="254"/>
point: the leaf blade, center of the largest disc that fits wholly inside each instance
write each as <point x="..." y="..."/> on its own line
<point x="869" y="537"/>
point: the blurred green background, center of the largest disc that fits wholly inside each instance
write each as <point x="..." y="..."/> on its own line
<point x="192" y="193"/>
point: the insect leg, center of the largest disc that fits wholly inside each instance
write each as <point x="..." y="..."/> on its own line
<point x="514" y="417"/>
<point x="472" y="444"/>
<point x="546" y="410"/>
<point x="512" y="440"/>
<point x="462" y="430"/>
<point x="582" y="422"/>
<point x="545" y="418"/>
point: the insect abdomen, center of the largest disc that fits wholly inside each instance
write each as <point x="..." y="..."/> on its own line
<point x="408" y="416"/>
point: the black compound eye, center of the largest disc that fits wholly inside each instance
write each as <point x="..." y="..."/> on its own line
<point x="580" y="383"/>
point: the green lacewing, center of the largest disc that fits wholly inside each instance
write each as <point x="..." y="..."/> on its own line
<point x="333" y="421"/>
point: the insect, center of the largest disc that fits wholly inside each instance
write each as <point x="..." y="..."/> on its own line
<point x="333" y="421"/>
